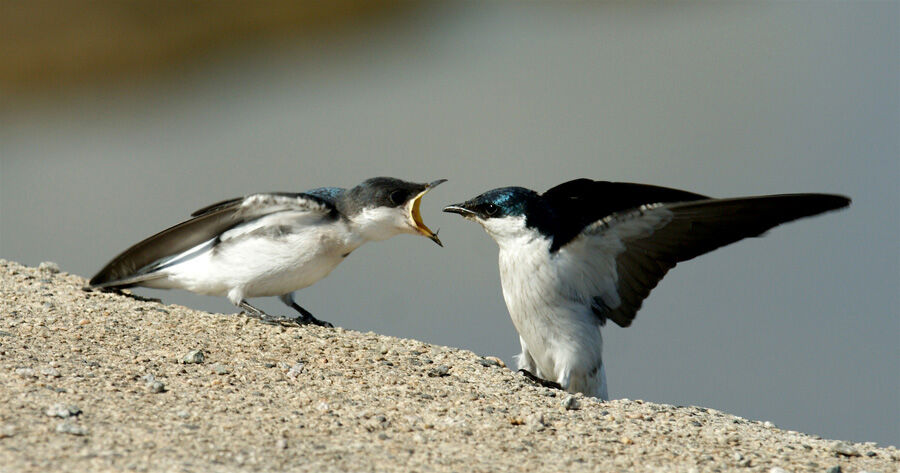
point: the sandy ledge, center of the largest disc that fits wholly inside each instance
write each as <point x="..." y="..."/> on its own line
<point x="310" y="399"/>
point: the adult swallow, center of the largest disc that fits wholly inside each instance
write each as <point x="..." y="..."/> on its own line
<point x="586" y="251"/>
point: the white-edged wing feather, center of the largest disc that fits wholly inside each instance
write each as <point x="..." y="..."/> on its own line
<point x="231" y="218"/>
<point x="614" y="263"/>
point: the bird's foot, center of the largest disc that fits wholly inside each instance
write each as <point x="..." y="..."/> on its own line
<point x="304" y="318"/>
<point x="265" y="318"/>
<point x="310" y="320"/>
<point x="283" y="320"/>
<point x="295" y="321"/>
<point x="540" y="381"/>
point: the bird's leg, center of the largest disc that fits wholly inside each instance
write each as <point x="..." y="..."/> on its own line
<point x="265" y="318"/>
<point x="540" y="381"/>
<point x="305" y="316"/>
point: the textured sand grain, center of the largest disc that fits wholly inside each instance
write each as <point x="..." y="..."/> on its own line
<point x="270" y="398"/>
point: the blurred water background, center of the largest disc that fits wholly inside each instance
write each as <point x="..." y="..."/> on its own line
<point x="117" y="119"/>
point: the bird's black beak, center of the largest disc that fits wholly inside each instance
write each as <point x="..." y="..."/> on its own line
<point x="460" y="209"/>
<point x="416" y="215"/>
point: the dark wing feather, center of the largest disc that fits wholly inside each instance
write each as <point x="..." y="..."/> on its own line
<point x="207" y="223"/>
<point x="693" y="229"/>
<point x="315" y="195"/>
<point x="576" y="204"/>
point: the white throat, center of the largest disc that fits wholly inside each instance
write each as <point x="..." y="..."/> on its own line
<point x="380" y="223"/>
<point x="509" y="232"/>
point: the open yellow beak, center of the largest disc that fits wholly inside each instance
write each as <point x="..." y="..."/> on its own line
<point x="415" y="214"/>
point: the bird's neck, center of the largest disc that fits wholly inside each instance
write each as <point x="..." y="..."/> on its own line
<point x="511" y="233"/>
<point x="373" y="225"/>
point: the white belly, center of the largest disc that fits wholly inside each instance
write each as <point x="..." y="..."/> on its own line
<point x="559" y="334"/>
<point x="260" y="266"/>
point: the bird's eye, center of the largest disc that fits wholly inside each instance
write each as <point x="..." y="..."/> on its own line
<point x="490" y="210"/>
<point x="398" y="197"/>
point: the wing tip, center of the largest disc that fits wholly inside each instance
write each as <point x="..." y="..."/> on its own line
<point x="820" y="203"/>
<point x="106" y="280"/>
<point x="840" y="201"/>
<point x="103" y="280"/>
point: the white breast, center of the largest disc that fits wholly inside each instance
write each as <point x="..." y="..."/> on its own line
<point x="265" y="261"/>
<point x="556" y="326"/>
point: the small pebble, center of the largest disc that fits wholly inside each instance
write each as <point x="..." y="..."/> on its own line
<point x="536" y="422"/>
<point x="25" y="373"/>
<point x="62" y="410"/>
<point x="219" y="368"/>
<point x="48" y="267"/>
<point x="51" y="372"/>
<point x="7" y="430"/>
<point x="569" y="403"/>
<point x="193" y="357"/>
<point x="845" y="449"/>
<point x="154" y="385"/>
<point x="439" y="371"/>
<point x="71" y="428"/>
<point x="295" y="370"/>
<point x="487" y="363"/>
<point x="834" y="469"/>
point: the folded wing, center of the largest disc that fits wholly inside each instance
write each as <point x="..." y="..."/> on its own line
<point x="208" y="223"/>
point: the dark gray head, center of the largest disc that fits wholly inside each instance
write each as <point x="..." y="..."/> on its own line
<point x="386" y="206"/>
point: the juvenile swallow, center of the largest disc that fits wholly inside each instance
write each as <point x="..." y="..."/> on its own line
<point x="586" y="251"/>
<point x="270" y="244"/>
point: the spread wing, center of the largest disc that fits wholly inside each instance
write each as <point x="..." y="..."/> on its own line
<point x="619" y="259"/>
<point x="581" y="202"/>
<point x="208" y="223"/>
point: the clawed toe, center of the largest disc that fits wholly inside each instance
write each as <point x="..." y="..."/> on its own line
<point x="313" y="321"/>
<point x="303" y="318"/>
<point x="287" y="321"/>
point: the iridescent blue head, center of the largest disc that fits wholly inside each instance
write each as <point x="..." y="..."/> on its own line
<point x="498" y="203"/>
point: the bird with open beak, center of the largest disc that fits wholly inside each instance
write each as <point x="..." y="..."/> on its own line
<point x="270" y="244"/>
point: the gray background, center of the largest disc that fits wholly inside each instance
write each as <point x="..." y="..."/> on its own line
<point x="800" y="328"/>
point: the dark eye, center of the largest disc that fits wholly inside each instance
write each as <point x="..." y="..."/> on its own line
<point x="398" y="197"/>
<point x="490" y="210"/>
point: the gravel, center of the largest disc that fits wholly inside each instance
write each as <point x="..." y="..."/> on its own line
<point x="193" y="357"/>
<point x="62" y="410"/>
<point x="271" y="398"/>
<point x="71" y="429"/>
